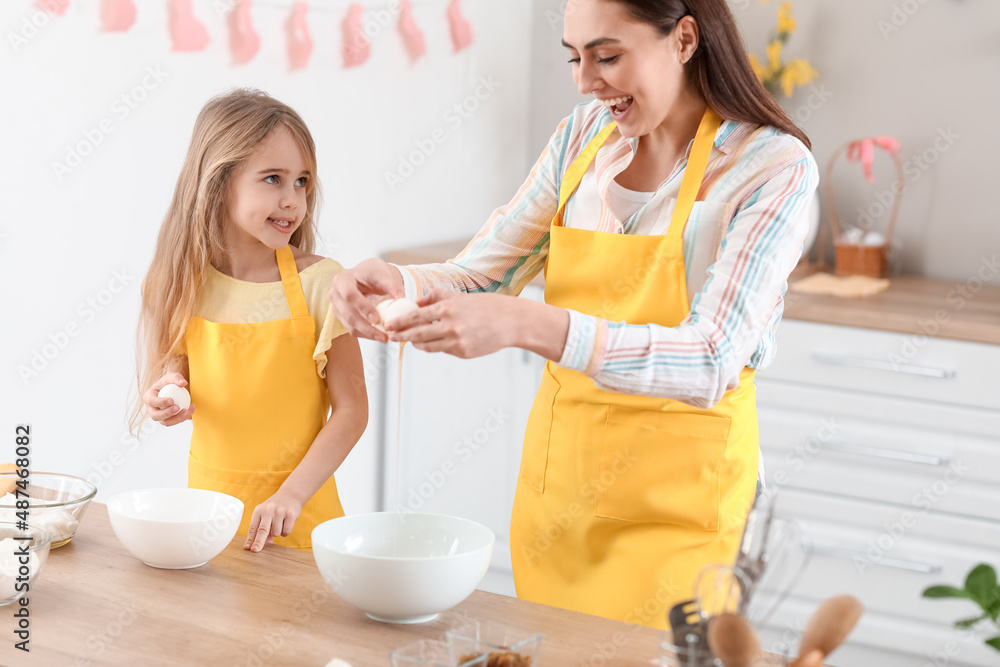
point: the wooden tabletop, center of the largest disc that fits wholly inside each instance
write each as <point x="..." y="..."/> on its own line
<point x="95" y="604"/>
<point x="963" y="310"/>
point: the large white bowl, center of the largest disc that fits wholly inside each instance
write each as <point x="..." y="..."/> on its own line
<point x="175" y="529"/>
<point x="402" y="567"/>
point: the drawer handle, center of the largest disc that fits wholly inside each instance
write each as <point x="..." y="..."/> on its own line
<point x="879" y="365"/>
<point x="898" y="563"/>
<point x="879" y="452"/>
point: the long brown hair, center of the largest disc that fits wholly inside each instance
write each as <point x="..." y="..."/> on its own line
<point x="226" y="134"/>
<point x="719" y="68"/>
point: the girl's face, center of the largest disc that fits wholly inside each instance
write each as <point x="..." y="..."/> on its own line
<point x="626" y="64"/>
<point x="268" y="192"/>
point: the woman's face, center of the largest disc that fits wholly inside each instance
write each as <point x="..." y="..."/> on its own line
<point x="268" y="196"/>
<point x="626" y="64"/>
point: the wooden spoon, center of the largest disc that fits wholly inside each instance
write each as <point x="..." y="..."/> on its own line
<point x="732" y="640"/>
<point x="828" y="628"/>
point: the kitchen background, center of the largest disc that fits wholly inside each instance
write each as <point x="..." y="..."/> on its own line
<point x="97" y="124"/>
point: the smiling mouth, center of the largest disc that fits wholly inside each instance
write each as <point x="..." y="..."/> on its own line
<point x="281" y="225"/>
<point x="617" y="105"/>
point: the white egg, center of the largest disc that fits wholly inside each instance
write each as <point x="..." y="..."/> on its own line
<point x="873" y="239"/>
<point x="393" y="309"/>
<point x="180" y="395"/>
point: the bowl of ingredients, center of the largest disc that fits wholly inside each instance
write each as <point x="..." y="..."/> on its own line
<point x="502" y="644"/>
<point x="175" y="529"/>
<point x="23" y="551"/>
<point x="402" y="567"/>
<point x="433" y="653"/>
<point x="55" y="502"/>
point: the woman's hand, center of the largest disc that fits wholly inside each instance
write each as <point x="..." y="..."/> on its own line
<point x="164" y="410"/>
<point x="463" y="325"/>
<point x="356" y="291"/>
<point x="275" y="516"/>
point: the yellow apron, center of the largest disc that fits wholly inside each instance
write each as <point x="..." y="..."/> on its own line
<point x="622" y="499"/>
<point x="260" y="405"/>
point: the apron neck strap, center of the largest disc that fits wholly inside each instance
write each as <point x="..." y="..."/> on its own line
<point x="579" y="167"/>
<point x="694" y="172"/>
<point x="290" y="281"/>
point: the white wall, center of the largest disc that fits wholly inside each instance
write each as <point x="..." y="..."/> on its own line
<point x="89" y="235"/>
<point x="885" y="72"/>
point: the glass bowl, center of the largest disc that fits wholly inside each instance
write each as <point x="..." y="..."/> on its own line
<point x="56" y="502"/>
<point x="503" y="643"/>
<point x="13" y="572"/>
<point x="433" y="653"/>
<point x="686" y="652"/>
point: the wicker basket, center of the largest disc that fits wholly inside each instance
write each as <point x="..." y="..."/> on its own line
<point x="851" y="259"/>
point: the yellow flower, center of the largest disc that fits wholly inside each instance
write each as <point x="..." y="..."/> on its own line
<point x="797" y="73"/>
<point x="786" y="23"/>
<point x="757" y="68"/>
<point x="774" y="56"/>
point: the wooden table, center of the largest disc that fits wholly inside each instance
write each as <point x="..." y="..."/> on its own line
<point x="963" y="310"/>
<point x="95" y="604"/>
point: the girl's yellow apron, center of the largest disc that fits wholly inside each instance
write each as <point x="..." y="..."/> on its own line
<point x="260" y="405"/>
<point x="622" y="499"/>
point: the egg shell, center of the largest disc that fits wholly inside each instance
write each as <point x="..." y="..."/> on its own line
<point x="180" y="395"/>
<point x="393" y="309"/>
<point x="9" y="484"/>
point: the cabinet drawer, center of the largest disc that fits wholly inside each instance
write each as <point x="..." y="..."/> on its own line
<point x="885" y="641"/>
<point x="886" y="560"/>
<point x="877" y="362"/>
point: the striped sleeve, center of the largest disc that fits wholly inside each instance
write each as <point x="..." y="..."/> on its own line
<point x="510" y="249"/>
<point x="698" y="360"/>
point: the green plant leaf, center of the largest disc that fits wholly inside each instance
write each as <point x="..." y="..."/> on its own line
<point x="995" y="642"/>
<point x="980" y="583"/>
<point x="993" y="608"/>
<point x="946" y="592"/>
<point x="969" y="622"/>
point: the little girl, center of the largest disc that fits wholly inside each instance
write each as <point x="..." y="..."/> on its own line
<point x="234" y="307"/>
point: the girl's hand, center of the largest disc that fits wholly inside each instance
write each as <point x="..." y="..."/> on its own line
<point x="463" y="325"/>
<point x="164" y="410"/>
<point x="275" y="516"/>
<point x="356" y="291"/>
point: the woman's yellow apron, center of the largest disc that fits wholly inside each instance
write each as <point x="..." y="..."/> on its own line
<point x="622" y="499"/>
<point x="260" y="405"/>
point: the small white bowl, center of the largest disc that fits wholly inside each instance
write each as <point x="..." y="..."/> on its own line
<point x="402" y="567"/>
<point x="175" y="529"/>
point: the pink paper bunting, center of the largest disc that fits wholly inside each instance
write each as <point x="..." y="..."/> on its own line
<point x="300" y="43"/>
<point x="117" y="15"/>
<point x="53" y="6"/>
<point x="357" y="47"/>
<point x="413" y="36"/>
<point x="461" y="31"/>
<point x="186" y="32"/>
<point x="243" y="39"/>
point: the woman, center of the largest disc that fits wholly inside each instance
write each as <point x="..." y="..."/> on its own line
<point x="665" y="264"/>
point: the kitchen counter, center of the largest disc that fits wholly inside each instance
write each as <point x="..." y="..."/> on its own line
<point x="957" y="310"/>
<point x="95" y="604"/>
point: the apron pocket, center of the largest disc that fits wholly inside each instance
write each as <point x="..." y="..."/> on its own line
<point x="535" y="452"/>
<point x="662" y="467"/>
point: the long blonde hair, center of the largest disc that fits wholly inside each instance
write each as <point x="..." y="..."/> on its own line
<point x="226" y="134"/>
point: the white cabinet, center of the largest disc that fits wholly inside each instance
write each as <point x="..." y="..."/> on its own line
<point x="461" y="427"/>
<point x="888" y="455"/>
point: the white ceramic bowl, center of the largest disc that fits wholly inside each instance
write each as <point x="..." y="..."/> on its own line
<point x="402" y="567"/>
<point x="174" y="529"/>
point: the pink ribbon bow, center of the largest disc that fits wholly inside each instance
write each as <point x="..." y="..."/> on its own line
<point x="863" y="150"/>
